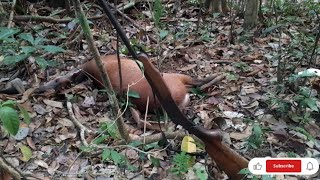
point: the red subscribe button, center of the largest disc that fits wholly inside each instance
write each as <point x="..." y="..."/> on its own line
<point x="283" y="166"/>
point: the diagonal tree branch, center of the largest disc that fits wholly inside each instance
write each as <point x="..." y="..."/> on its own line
<point x="106" y="81"/>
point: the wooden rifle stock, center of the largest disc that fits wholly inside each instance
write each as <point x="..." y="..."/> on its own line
<point x="227" y="159"/>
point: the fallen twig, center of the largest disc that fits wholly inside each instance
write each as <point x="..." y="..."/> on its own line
<point x="8" y="168"/>
<point x="11" y="13"/>
<point x="212" y="82"/>
<point x="49" y="19"/>
<point x="81" y="127"/>
<point x="178" y="135"/>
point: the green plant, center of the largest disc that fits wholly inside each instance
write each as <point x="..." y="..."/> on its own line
<point x="200" y="171"/>
<point x="111" y="129"/>
<point x="157" y="12"/>
<point x="249" y="175"/>
<point x="292" y="154"/>
<point x="181" y="163"/>
<point x="304" y="119"/>
<point x="304" y="132"/>
<point x="197" y="91"/>
<point x="183" y="30"/>
<point x="280" y="105"/>
<point x="242" y="66"/>
<point x="205" y="36"/>
<point x="256" y="138"/>
<point x="118" y="159"/>
<point x="137" y="45"/>
<point x="304" y="100"/>
<point x="9" y="116"/>
<point x="16" y="47"/>
<point x="231" y="76"/>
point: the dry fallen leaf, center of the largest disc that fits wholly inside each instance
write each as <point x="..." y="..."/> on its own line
<point x="41" y="163"/>
<point x="31" y="143"/>
<point x="65" y="122"/>
<point x="51" y="103"/>
<point x="188" y="145"/>
<point x="39" y="109"/>
<point x="187" y="68"/>
<point x="131" y="154"/>
<point x="241" y="135"/>
<point x="22" y="133"/>
<point x="88" y="101"/>
<point x="232" y="114"/>
<point x="54" y="166"/>
<point x="26" y="153"/>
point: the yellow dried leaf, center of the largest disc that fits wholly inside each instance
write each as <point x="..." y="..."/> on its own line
<point x="188" y="145"/>
<point x="26" y="153"/>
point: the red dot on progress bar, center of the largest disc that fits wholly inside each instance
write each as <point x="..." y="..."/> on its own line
<point x="283" y="166"/>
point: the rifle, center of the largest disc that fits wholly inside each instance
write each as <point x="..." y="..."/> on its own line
<point x="227" y="159"/>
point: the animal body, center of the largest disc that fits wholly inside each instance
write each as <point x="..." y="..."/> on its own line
<point x="133" y="78"/>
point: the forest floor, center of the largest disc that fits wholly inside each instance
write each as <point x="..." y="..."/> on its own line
<point x="244" y="102"/>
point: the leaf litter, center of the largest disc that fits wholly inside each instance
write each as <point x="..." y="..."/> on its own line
<point x="233" y="104"/>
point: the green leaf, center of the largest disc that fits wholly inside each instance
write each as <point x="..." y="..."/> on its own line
<point x="39" y="40"/>
<point x="9" y="103"/>
<point x="26" y="153"/>
<point x="163" y="33"/>
<point x="270" y="29"/>
<point x="180" y="163"/>
<point x="151" y="146"/>
<point x="100" y="139"/>
<point x="111" y="129"/>
<point x="303" y="131"/>
<point x="135" y="143"/>
<point x="25" y="114"/>
<point x="267" y="177"/>
<point x="201" y="171"/>
<point x="299" y="54"/>
<point x="116" y="157"/>
<point x="52" y="49"/>
<point x="131" y="168"/>
<point x="8" y="60"/>
<point x="155" y="161"/>
<point x="87" y="148"/>
<point x="41" y="62"/>
<point x="10" y="119"/>
<point x="7" y="32"/>
<point x="244" y="171"/>
<point x="133" y="94"/>
<point x="312" y="103"/>
<point x="27" y="37"/>
<point x="257" y="130"/>
<point x="158" y="11"/>
<point x="52" y="63"/>
<point x="106" y="154"/>
<point x="28" y="49"/>
<point x="197" y="91"/>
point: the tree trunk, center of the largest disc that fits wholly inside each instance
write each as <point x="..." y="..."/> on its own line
<point x="217" y="6"/>
<point x="251" y="14"/>
<point x="224" y="6"/>
<point x="2" y="15"/>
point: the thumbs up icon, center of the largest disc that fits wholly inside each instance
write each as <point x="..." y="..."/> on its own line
<point x="258" y="166"/>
